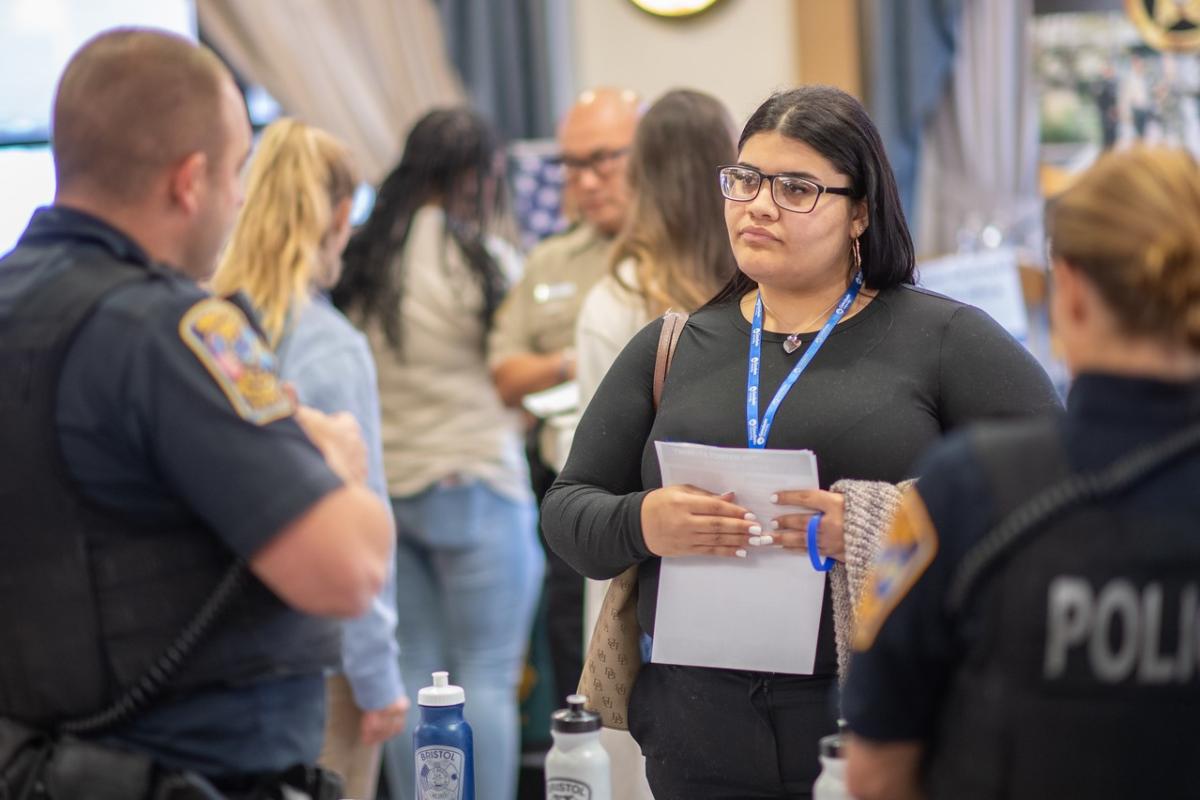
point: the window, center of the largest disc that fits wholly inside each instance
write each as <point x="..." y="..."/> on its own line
<point x="41" y="35"/>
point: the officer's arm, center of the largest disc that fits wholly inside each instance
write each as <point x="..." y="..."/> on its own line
<point x="903" y="642"/>
<point x="519" y="375"/>
<point x="883" y="770"/>
<point x="332" y="560"/>
<point x="232" y="445"/>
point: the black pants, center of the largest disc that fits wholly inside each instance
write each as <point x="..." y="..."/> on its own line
<point x="563" y="589"/>
<point x="715" y="734"/>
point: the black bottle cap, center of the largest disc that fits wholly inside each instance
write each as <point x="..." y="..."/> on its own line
<point x="575" y="718"/>
<point x="831" y="746"/>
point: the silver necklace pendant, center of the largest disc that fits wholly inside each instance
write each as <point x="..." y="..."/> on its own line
<point x="791" y="344"/>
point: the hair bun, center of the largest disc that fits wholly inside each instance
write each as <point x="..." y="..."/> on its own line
<point x="1130" y="225"/>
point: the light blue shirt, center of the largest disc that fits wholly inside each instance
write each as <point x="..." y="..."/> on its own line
<point x="330" y="365"/>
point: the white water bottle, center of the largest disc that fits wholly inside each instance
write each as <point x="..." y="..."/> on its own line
<point x="577" y="766"/>
<point x="831" y="783"/>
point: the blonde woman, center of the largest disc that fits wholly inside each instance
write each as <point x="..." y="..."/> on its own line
<point x="285" y="251"/>
<point x="1039" y="640"/>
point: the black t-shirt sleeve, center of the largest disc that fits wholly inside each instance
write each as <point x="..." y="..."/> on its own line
<point x="984" y="373"/>
<point x="906" y="646"/>
<point x="161" y="422"/>
<point x="592" y="514"/>
<point x="223" y="432"/>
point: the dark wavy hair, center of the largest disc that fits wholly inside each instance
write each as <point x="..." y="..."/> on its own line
<point x="837" y="126"/>
<point x="450" y="158"/>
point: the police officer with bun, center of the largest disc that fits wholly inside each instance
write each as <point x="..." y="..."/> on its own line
<point x="1032" y="627"/>
<point x="178" y="536"/>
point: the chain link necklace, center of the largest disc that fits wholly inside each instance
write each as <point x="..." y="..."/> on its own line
<point x="792" y="343"/>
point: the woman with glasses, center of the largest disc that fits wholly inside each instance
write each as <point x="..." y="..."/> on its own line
<point x="853" y="363"/>
<point x="423" y="278"/>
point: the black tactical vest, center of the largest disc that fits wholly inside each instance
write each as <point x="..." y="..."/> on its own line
<point x="1083" y="679"/>
<point x="89" y="599"/>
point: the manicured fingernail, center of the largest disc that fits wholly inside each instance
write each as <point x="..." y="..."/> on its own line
<point x="755" y="529"/>
<point x="740" y="553"/>
<point x="749" y="515"/>
<point x="755" y="541"/>
<point x="765" y="540"/>
<point x="774" y="525"/>
<point x="774" y="498"/>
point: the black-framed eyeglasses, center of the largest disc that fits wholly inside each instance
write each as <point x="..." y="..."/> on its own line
<point x="601" y="162"/>
<point x="790" y="192"/>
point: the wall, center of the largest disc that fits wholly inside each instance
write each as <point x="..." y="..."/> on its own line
<point x="739" y="50"/>
<point x="827" y="43"/>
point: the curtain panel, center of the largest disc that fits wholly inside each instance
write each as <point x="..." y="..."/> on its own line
<point x="364" y="70"/>
<point x="979" y="153"/>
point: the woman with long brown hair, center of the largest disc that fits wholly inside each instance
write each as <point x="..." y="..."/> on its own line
<point x="673" y="252"/>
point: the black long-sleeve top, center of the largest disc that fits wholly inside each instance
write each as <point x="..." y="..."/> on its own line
<point x="887" y="384"/>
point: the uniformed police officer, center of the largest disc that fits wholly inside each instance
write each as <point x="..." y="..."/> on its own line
<point x="531" y="346"/>
<point x="1032" y="628"/>
<point x="148" y="448"/>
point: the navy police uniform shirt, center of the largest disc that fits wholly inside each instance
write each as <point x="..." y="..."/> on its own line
<point x="169" y="409"/>
<point x="907" y="648"/>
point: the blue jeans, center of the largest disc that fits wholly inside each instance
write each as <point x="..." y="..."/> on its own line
<point x="468" y="573"/>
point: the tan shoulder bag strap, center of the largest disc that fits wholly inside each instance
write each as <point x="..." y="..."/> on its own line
<point x="614" y="655"/>
<point x="673" y="322"/>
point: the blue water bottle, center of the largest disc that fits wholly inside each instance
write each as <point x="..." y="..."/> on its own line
<point x="442" y="745"/>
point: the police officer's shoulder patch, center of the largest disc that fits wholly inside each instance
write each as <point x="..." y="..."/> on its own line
<point x="908" y="549"/>
<point x="224" y="341"/>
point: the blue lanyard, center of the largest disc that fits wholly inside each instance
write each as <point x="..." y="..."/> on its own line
<point x="757" y="432"/>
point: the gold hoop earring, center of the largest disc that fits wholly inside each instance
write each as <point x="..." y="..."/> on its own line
<point x="857" y="254"/>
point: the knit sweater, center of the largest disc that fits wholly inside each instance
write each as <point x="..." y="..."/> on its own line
<point x="870" y="508"/>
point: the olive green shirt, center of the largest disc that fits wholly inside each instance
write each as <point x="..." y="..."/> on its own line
<point x="538" y="315"/>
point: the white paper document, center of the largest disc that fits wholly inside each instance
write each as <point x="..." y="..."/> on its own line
<point x="556" y="400"/>
<point x="761" y="612"/>
<point x="990" y="280"/>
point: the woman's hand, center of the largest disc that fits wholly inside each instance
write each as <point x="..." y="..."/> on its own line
<point x="383" y="723"/>
<point x="791" y="530"/>
<point x="686" y="521"/>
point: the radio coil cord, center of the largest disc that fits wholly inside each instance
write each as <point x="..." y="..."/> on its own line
<point x="1057" y="500"/>
<point x="152" y="681"/>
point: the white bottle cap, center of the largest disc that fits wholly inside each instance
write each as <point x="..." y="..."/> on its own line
<point x="442" y="693"/>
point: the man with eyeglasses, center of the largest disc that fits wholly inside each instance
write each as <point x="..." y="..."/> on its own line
<point x="530" y="348"/>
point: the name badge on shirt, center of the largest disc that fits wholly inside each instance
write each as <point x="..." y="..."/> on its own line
<point x="548" y="292"/>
